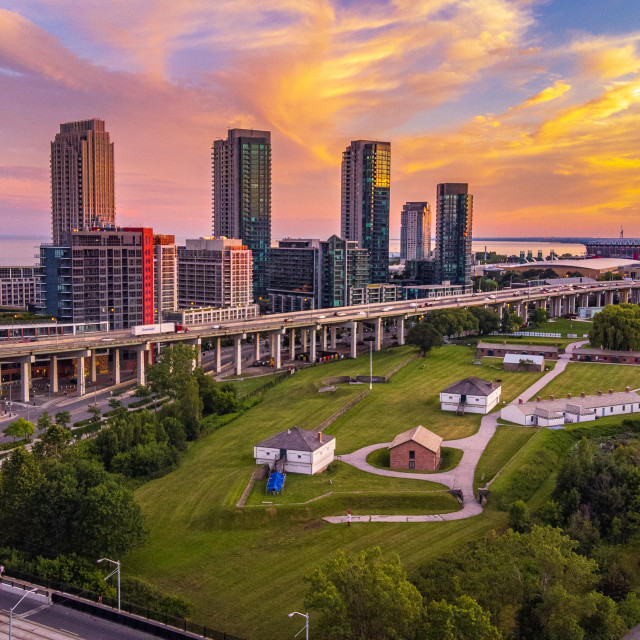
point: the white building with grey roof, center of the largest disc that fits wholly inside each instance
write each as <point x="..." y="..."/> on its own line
<point x="306" y="452"/>
<point x="556" y="412"/>
<point x="471" y="395"/>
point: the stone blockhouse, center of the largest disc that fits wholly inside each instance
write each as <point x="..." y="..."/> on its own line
<point x="471" y="395"/>
<point x="417" y="448"/>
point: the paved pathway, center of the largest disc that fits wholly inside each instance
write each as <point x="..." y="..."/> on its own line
<point x="461" y="477"/>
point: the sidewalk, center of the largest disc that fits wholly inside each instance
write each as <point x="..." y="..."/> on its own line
<point x="23" y="629"/>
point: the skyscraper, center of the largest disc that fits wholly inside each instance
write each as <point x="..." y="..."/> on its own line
<point x="415" y="231"/>
<point x="366" y="181"/>
<point x="82" y="179"/>
<point x="241" y="182"/>
<point x="454" y="217"/>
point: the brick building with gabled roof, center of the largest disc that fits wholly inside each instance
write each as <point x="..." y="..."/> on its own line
<point x="417" y="448"/>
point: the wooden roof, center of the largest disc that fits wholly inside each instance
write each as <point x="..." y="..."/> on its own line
<point x="421" y="436"/>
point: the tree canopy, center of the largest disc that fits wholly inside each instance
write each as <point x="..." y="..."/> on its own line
<point x="170" y="376"/>
<point x="424" y="336"/>
<point x="617" y="327"/>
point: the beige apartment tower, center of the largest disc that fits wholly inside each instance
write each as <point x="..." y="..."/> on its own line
<point x="82" y="179"/>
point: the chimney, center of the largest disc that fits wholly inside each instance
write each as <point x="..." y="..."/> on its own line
<point x="538" y="399"/>
<point x="599" y="392"/>
<point x="288" y="430"/>
<point x="550" y="397"/>
<point x="568" y="395"/>
<point x="520" y="401"/>
<point x="626" y="389"/>
<point x="319" y="436"/>
<point x="582" y="394"/>
<point x="610" y="390"/>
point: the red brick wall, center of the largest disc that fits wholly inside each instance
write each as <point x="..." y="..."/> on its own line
<point x="425" y="460"/>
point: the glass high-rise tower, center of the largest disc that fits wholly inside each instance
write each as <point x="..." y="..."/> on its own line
<point x="415" y="231"/>
<point x="82" y="179"/>
<point x="454" y="217"/>
<point x="366" y="182"/>
<point x="241" y="183"/>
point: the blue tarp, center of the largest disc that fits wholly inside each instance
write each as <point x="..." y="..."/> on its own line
<point x="275" y="482"/>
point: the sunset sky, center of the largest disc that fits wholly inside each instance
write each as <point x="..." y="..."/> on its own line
<point x="535" y="104"/>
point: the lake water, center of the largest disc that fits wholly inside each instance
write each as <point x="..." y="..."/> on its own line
<point x="21" y="250"/>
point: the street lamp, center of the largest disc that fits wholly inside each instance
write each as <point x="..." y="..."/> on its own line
<point x="14" y="606"/>
<point x="56" y="321"/>
<point x="116" y="570"/>
<point x="306" y="625"/>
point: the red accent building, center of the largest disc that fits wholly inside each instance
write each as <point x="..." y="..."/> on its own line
<point x="417" y="449"/>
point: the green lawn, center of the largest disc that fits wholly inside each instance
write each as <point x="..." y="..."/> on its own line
<point x="338" y="478"/>
<point x="449" y="459"/>
<point x="591" y="377"/>
<point x="501" y="448"/>
<point x="548" y="342"/>
<point x="564" y="327"/>
<point x="244" y="569"/>
<point x="411" y="398"/>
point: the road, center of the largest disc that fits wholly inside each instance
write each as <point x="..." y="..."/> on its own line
<point x="302" y="319"/>
<point x="57" y="620"/>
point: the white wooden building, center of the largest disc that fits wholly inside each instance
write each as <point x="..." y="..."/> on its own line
<point x="306" y="452"/>
<point x="471" y="395"/>
<point x="556" y="412"/>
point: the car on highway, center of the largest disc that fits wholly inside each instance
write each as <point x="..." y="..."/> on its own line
<point x="216" y="326"/>
<point x="320" y="317"/>
<point x="339" y="313"/>
<point x="387" y="308"/>
<point x="362" y="313"/>
<point x="107" y="339"/>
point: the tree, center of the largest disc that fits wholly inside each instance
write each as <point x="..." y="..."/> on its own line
<point x="363" y="597"/>
<point x="53" y="442"/>
<point x="142" y="391"/>
<point x="20" y="428"/>
<point x="519" y="518"/>
<point x="191" y="405"/>
<point x="114" y="403"/>
<point x="510" y="321"/>
<point x="538" y="317"/>
<point x="169" y="377"/>
<point x="424" y="336"/>
<point x="617" y="327"/>
<point x="464" y="619"/>
<point x="44" y="421"/>
<point x="63" y="418"/>
<point x="95" y="412"/>
<point x="488" y="321"/>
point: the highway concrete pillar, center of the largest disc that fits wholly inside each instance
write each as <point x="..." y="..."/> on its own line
<point x="303" y="335"/>
<point x="197" y="358"/>
<point x="292" y="344"/>
<point x="400" y="325"/>
<point x="141" y="365"/>
<point x="361" y="332"/>
<point x="276" y="353"/>
<point x="92" y="366"/>
<point x="53" y="373"/>
<point x="324" y="337"/>
<point x="313" y="339"/>
<point x="25" y="367"/>
<point x="116" y="366"/>
<point x="354" y="339"/>
<point x="609" y="297"/>
<point x="256" y="346"/>
<point x="81" y="385"/>
<point x="377" y="344"/>
<point x="237" y="354"/>
<point x="217" y="365"/>
<point x="625" y="296"/>
<point x="333" y="338"/>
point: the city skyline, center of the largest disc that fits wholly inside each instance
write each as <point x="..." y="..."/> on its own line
<point x="536" y="105"/>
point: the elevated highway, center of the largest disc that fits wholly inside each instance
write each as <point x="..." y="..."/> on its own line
<point x="317" y="329"/>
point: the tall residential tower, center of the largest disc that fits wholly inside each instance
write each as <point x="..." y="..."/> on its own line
<point x="454" y="217"/>
<point x="82" y="179"/>
<point x="415" y="231"/>
<point x="366" y="181"/>
<point x="241" y="182"/>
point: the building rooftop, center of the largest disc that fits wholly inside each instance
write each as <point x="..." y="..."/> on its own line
<point x="575" y="404"/>
<point x="295" y="439"/>
<point x="421" y="436"/>
<point x="587" y="351"/>
<point x="517" y="358"/>
<point x="517" y="348"/>
<point x="472" y="386"/>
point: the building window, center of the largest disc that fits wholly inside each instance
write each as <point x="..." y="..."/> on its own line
<point x="412" y="455"/>
<point x="412" y="464"/>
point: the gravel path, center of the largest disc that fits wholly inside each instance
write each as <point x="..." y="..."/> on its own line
<point x="460" y="478"/>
